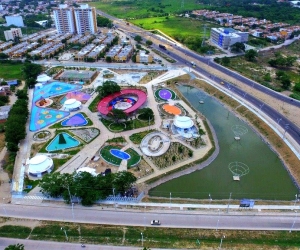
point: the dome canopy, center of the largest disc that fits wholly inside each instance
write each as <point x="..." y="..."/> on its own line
<point x="183" y="122"/>
<point x="40" y="164"/>
<point x="87" y="169"/>
<point x="71" y="104"/>
<point x="43" y="78"/>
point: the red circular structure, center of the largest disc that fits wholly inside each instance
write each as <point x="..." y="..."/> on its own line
<point x="104" y="106"/>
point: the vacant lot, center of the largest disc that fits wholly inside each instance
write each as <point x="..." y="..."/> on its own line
<point x="146" y="8"/>
<point x="11" y="71"/>
<point x="176" y="27"/>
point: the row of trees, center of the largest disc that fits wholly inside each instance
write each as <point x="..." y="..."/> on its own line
<point x="15" y="126"/>
<point x="85" y="186"/>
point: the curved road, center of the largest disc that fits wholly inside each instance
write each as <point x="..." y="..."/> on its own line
<point x="287" y="125"/>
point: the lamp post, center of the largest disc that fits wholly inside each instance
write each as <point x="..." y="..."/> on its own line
<point x="65" y="233"/>
<point x="142" y="239"/>
<point x="286" y="127"/>
<point x="223" y="237"/>
<point x="170" y="199"/>
<point x="114" y="196"/>
<point x="218" y="220"/>
<point x="210" y="199"/>
<point x="294" y="221"/>
<point x="296" y="199"/>
<point x="229" y="202"/>
<point x="73" y="210"/>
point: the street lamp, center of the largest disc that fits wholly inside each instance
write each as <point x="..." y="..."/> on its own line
<point x="296" y="199"/>
<point x="294" y="221"/>
<point x="286" y="127"/>
<point x="218" y="220"/>
<point x="114" y="196"/>
<point x="223" y="237"/>
<point x="142" y="239"/>
<point x="170" y="199"/>
<point x="65" y="233"/>
<point x="73" y="210"/>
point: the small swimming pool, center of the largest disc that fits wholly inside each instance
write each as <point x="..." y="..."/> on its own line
<point x="70" y="142"/>
<point x="119" y="154"/>
<point x="75" y="120"/>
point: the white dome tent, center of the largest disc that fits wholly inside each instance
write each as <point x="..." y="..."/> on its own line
<point x="183" y="122"/>
<point x="39" y="165"/>
<point x="71" y="105"/>
<point x="43" y="78"/>
<point x="184" y="126"/>
<point x="87" y="169"/>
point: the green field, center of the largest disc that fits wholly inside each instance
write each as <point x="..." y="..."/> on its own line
<point x="144" y="8"/>
<point x="11" y="71"/>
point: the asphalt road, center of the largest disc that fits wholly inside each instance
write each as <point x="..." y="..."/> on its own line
<point x="173" y="219"/>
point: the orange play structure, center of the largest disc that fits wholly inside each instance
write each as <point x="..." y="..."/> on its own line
<point x="173" y="110"/>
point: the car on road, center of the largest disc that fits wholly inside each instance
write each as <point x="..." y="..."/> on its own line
<point x="155" y="222"/>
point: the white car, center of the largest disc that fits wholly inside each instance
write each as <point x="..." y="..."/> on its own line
<point x="155" y="222"/>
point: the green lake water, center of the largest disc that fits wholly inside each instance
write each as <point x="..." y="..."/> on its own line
<point x="267" y="177"/>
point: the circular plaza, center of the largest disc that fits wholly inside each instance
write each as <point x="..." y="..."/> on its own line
<point x="155" y="144"/>
<point x="165" y="94"/>
<point x="127" y="100"/>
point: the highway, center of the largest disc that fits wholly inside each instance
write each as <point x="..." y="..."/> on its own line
<point x="214" y="219"/>
<point x="288" y="126"/>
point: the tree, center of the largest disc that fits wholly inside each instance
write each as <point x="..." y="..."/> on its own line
<point x="237" y="47"/>
<point x="15" y="247"/>
<point x="56" y="185"/>
<point x="225" y="60"/>
<point x="297" y="87"/>
<point x="3" y="56"/>
<point x="108" y="87"/>
<point x="104" y="22"/>
<point x="122" y="181"/>
<point x="108" y="59"/>
<point x="84" y="188"/>
<point x="149" y="42"/>
<point x="117" y="115"/>
<point x="31" y="71"/>
<point x="138" y="38"/>
<point x="146" y="113"/>
<point x="267" y="77"/>
<point x="251" y="55"/>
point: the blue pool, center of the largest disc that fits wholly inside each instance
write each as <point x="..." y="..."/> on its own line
<point x="119" y="154"/>
<point x="70" y="143"/>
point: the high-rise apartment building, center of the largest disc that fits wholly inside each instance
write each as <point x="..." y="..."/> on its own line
<point x="64" y="19"/>
<point x="86" y="19"/>
<point x="75" y="20"/>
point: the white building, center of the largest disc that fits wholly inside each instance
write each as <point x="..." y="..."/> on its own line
<point x="85" y="19"/>
<point x="39" y="165"/>
<point x="64" y="19"/>
<point x="12" y="34"/>
<point x="14" y="20"/>
<point x="142" y="57"/>
<point x="225" y="37"/>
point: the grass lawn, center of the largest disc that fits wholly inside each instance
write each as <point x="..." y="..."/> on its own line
<point x="129" y="125"/>
<point x="93" y="106"/>
<point x="154" y="237"/>
<point x="11" y="71"/>
<point x="138" y="137"/>
<point x="175" y="27"/>
<point x="135" y="157"/>
<point x="107" y="156"/>
<point x="135" y="9"/>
